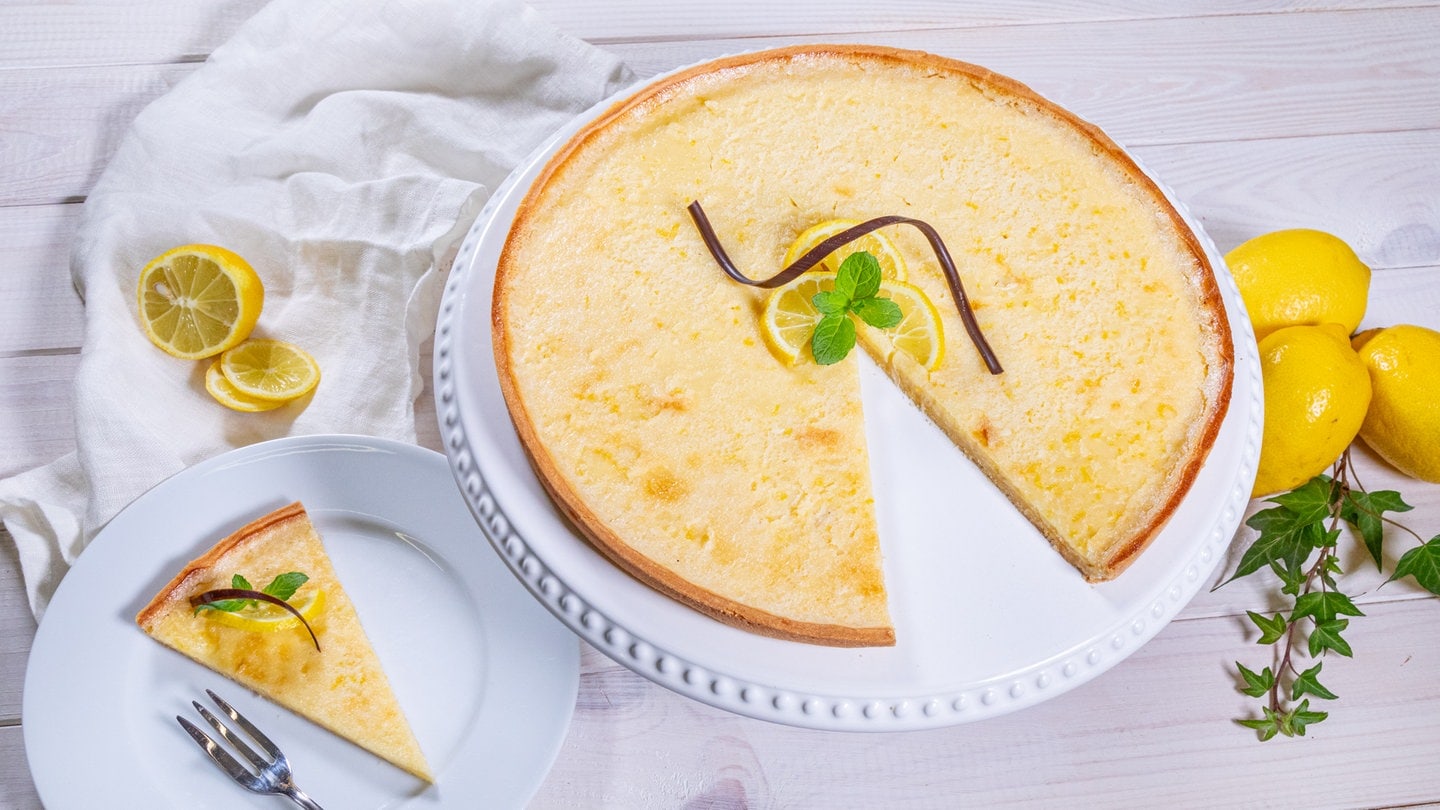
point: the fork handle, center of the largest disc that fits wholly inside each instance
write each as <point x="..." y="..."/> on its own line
<point x="298" y="796"/>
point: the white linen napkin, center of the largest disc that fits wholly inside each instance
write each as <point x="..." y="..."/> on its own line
<point x="340" y="147"/>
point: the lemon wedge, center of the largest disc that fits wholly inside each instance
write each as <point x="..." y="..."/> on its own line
<point x="892" y="262"/>
<point x="266" y="618"/>
<point x="196" y="301"/>
<point x="790" y="316"/>
<point x="268" y="369"/>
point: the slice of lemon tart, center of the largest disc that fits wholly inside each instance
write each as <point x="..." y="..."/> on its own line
<point x="297" y="641"/>
<point x="679" y="421"/>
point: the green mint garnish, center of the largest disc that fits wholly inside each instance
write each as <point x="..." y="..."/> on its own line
<point x="1298" y="540"/>
<point x="856" y="285"/>
<point x="281" y="587"/>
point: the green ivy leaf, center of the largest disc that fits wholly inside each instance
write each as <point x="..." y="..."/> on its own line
<point x="1365" y="510"/>
<point x="1422" y="563"/>
<point x="1265" y="726"/>
<point x="1271" y="630"/>
<point x="1295" y="721"/>
<point x="1310" y="502"/>
<point x="1256" y="683"/>
<point x="1323" y="606"/>
<point x="1309" y="684"/>
<point x="1326" y="636"/>
<point x="1285" y="539"/>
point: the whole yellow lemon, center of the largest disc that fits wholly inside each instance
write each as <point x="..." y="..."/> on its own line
<point x="1299" y="276"/>
<point x="1403" y="423"/>
<point x="1316" y="393"/>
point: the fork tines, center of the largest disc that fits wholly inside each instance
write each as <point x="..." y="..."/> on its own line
<point x="272" y="770"/>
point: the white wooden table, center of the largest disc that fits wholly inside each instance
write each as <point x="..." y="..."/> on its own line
<point x="1261" y="114"/>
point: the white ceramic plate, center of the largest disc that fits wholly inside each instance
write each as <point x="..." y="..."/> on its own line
<point x="988" y="619"/>
<point x="486" y="678"/>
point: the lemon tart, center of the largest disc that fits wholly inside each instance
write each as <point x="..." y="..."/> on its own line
<point x="313" y="658"/>
<point x="663" y="425"/>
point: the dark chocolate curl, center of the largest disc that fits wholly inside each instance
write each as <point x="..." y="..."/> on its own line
<point x="222" y="594"/>
<point x="814" y="255"/>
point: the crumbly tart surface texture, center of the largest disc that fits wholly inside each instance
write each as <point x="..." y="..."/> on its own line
<point x="340" y="687"/>
<point x="641" y="385"/>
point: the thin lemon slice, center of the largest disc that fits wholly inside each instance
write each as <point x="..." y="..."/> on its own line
<point x="892" y="262"/>
<point x="197" y="301"/>
<point x="919" y="334"/>
<point x="790" y="317"/>
<point x="270" y="369"/>
<point x="232" y="397"/>
<point x="267" y="618"/>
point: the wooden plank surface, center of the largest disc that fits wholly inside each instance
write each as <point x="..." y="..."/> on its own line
<point x="1260" y="115"/>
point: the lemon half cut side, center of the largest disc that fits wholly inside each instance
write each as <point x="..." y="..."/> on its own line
<point x="196" y="301"/>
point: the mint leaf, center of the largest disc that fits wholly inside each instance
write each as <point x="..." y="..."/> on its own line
<point x="232" y="605"/>
<point x="1324" y="606"/>
<point x="1422" y="563"/>
<point x="881" y="313"/>
<point x="1365" y="511"/>
<point x="1256" y="684"/>
<point x="1271" y="630"/>
<point x="830" y="302"/>
<point x="1310" y="501"/>
<point x="284" y="586"/>
<point x="832" y="339"/>
<point x="862" y="271"/>
<point x="1326" y="636"/>
<point x="237" y="581"/>
<point x="1309" y="684"/>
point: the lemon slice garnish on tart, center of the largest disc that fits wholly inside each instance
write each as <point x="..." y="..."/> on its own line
<point x="264" y="618"/>
<point x="790" y="316"/>
<point x="892" y="262"/>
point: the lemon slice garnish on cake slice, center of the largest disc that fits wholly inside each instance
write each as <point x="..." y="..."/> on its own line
<point x="264" y="618"/>
<point x="196" y="301"/>
<point x="892" y="262"/>
<point x="270" y="370"/>
<point x="790" y="317"/>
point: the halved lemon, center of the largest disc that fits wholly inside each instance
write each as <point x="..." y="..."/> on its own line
<point x="790" y="316"/>
<point x="233" y="398"/>
<point x="270" y="369"/>
<point x="892" y="263"/>
<point x="266" y="618"/>
<point x="196" y="301"/>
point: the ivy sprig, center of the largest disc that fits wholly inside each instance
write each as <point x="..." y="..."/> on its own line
<point x="856" y="285"/>
<point x="1298" y="541"/>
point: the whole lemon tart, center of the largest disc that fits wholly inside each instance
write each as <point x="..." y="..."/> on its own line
<point x="1086" y="375"/>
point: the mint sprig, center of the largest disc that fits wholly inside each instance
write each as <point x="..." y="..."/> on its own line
<point x="1298" y="542"/>
<point x="856" y="285"/>
<point x="281" y="587"/>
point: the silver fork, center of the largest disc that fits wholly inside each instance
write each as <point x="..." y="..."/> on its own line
<point x="273" y="772"/>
